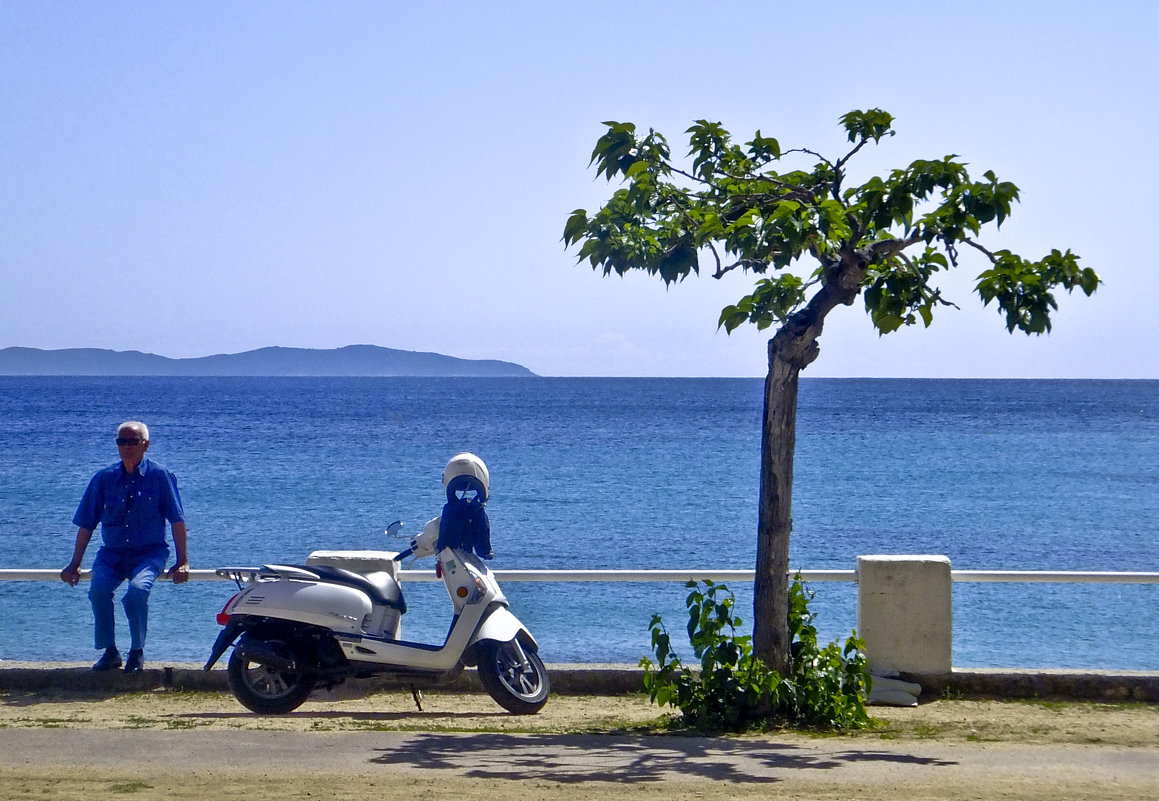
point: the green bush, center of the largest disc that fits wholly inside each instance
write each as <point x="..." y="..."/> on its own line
<point x="734" y="691"/>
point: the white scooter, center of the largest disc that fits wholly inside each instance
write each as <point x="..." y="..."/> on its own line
<point x="298" y="627"/>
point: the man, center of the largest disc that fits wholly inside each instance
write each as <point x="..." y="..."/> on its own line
<point x="131" y="500"/>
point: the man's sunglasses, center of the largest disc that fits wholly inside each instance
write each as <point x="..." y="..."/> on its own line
<point x="128" y="441"/>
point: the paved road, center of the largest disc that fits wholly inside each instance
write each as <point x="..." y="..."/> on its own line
<point x="336" y="765"/>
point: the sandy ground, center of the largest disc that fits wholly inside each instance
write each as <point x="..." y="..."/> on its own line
<point x="176" y="745"/>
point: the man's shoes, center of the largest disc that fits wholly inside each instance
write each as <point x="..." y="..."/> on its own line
<point x="110" y="661"/>
<point x="136" y="662"/>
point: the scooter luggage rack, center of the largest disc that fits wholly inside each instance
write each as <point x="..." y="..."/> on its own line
<point x="361" y="562"/>
<point x="239" y="574"/>
<point x="246" y="575"/>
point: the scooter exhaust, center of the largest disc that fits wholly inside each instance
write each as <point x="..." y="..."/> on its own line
<point x="259" y="653"/>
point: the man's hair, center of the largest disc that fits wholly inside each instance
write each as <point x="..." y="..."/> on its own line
<point x="140" y="428"/>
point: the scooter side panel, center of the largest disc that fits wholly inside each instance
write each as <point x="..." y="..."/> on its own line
<point x="383" y="653"/>
<point x="332" y="606"/>
<point x="376" y="650"/>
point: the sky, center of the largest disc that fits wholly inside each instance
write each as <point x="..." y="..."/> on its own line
<point x="193" y="178"/>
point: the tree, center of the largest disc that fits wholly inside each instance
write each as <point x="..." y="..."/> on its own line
<point x="884" y="241"/>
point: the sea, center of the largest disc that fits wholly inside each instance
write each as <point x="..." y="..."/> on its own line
<point x="616" y="473"/>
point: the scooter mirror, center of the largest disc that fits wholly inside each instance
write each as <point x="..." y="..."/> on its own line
<point x="393" y="529"/>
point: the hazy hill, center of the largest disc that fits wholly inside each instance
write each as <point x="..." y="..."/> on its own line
<point x="353" y="360"/>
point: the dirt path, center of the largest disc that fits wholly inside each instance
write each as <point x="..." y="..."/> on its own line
<point x="203" y="745"/>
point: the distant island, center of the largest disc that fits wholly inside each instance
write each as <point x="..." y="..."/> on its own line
<point x="353" y="360"/>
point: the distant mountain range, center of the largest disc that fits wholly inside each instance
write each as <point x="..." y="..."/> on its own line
<point x="353" y="360"/>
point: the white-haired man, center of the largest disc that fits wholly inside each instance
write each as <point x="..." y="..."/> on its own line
<point x="131" y="501"/>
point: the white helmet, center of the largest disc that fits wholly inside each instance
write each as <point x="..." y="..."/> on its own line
<point x="466" y="472"/>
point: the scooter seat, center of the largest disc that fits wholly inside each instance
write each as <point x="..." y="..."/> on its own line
<point x="338" y="575"/>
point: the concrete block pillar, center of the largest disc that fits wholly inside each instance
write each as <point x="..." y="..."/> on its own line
<point x="904" y="613"/>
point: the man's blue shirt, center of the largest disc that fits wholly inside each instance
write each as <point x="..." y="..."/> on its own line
<point x="131" y="508"/>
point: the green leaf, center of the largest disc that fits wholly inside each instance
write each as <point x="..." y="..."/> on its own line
<point x="764" y="147"/>
<point x="576" y="227"/>
<point x="872" y="124"/>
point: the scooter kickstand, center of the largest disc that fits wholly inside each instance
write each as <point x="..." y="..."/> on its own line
<point x="417" y="694"/>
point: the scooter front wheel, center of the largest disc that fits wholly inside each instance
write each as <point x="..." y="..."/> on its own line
<point x="264" y="689"/>
<point x="514" y="677"/>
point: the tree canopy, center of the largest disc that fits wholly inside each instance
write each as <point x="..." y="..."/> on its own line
<point x="814" y="243"/>
<point x="892" y="234"/>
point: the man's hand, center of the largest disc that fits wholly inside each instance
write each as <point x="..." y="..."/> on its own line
<point x="179" y="573"/>
<point x="70" y="575"/>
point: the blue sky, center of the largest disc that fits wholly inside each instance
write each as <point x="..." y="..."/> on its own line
<point x="198" y="178"/>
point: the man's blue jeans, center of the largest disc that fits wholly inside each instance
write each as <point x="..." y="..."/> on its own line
<point x="140" y="569"/>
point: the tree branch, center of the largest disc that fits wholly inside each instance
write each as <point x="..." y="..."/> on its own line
<point x="796" y="340"/>
<point x="841" y="162"/>
<point x="888" y="248"/>
<point x="993" y="258"/>
<point x="937" y="298"/>
<point x="756" y="265"/>
<point x="812" y="153"/>
<point x="716" y="256"/>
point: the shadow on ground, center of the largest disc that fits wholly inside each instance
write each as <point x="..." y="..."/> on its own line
<point x="576" y="759"/>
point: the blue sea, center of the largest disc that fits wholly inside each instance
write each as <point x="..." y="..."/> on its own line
<point x="613" y="473"/>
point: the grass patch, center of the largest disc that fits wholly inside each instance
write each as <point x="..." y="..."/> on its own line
<point x="926" y="731"/>
<point x="625" y="726"/>
<point x="50" y="723"/>
<point x="975" y="737"/>
<point x="1053" y="705"/>
<point x="126" y="788"/>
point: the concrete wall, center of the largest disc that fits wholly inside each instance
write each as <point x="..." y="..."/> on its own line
<point x="904" y="614"/>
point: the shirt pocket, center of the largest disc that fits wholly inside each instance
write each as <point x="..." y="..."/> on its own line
<point x="113" y="512"/>
<point x="147" y="506"/>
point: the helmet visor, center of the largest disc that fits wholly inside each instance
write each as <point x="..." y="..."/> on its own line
<point x="466" y="487"/>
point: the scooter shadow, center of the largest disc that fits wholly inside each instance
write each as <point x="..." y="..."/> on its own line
<point x="370" y="717"/>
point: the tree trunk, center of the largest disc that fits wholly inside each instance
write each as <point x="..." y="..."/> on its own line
<point x="792" y="349"/>
<point x="778" y="442"/>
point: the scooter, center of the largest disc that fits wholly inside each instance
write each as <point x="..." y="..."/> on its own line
<point x="295" y="628"/>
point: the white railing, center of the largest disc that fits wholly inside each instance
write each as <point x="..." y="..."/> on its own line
<point x="1031" y="576"/>
<point x="1062" y="576"/>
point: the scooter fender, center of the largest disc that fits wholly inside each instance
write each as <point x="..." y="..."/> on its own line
<point x="225" y="639"/>
<point x="502" y="626"/>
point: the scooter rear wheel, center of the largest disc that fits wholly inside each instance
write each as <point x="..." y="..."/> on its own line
<point x="519" y="686"/>
<point x="267" y="690"/>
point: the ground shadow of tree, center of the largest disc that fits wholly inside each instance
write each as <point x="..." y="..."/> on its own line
<point x="571" y="759"/>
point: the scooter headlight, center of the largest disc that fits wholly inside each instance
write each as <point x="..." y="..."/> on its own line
<point x="480" y="590"/>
